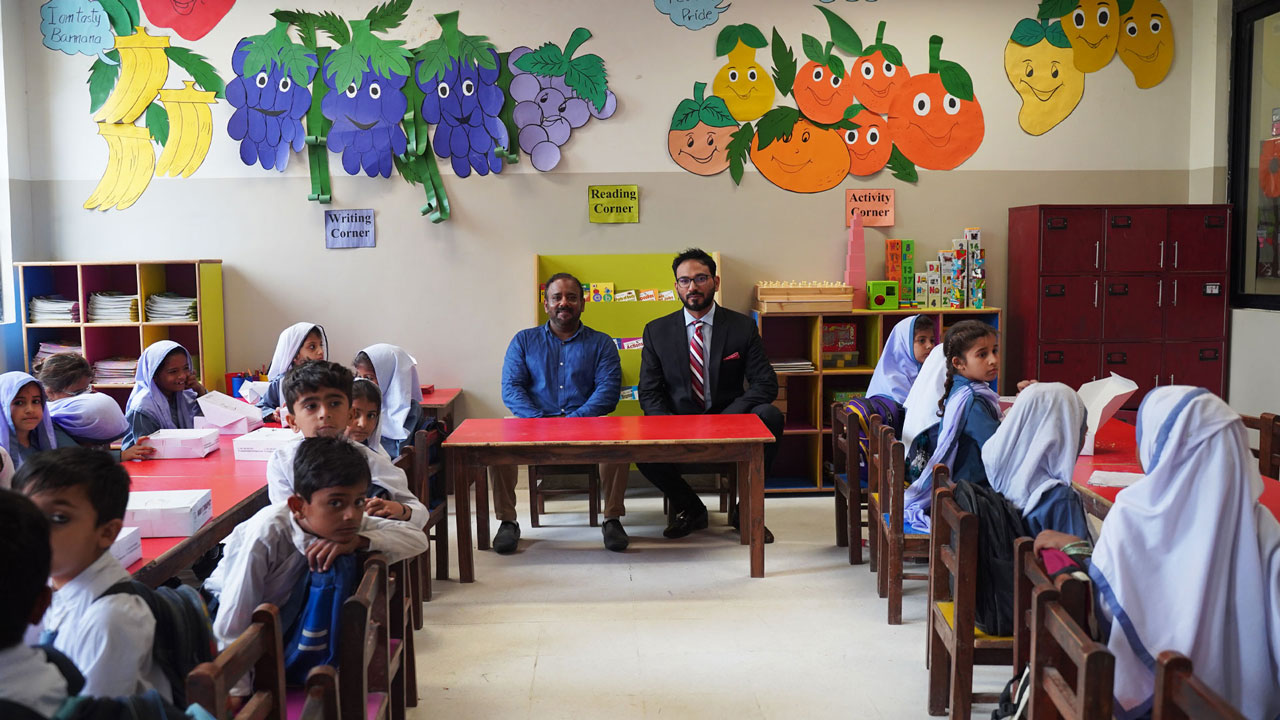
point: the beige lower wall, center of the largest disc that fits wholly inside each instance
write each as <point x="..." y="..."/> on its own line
<point x="454" y="294"/>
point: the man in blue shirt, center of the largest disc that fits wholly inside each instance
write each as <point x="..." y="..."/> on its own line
<point x="561" y="369"/>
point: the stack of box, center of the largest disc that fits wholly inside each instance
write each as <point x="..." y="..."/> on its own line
<point x="839" y="345"/>
<point x="959" y="275"/>
<point x="855" y="260"/>
<point x="893" y="263"/>
<point x="977" y="268"/>
<point x="907" y="286"/>
<point x="933" y="284"/>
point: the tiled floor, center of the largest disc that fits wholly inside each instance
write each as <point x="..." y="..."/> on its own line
<point x="673" y="629"/>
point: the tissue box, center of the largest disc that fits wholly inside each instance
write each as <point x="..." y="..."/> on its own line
<point x="127" y="549"/>
<point x="180" y="444"/>
<point x="227" y="415"/>
<point x="168" y="513"/>
<point x="261" y="443"/>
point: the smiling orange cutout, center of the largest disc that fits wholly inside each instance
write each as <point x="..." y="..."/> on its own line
<point x="807" y="159"/>
<point x="869" y="144"/>
<point x="877" y="75"/>
<point x="935" y="118"/>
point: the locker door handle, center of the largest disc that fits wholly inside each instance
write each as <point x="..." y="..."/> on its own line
<point x="1055" y="290"/>
<point x="1095" y="293"/>
<point x="1159" y="293"/>
<point x="1097" y="253"/>
<point x="1175" y="254"/>
<point x="1157" y="380"/>
<point x="1161" y="254"/>
<point x="1056" y="223"/>
<point x="1121" y="221"/>
<point x="1175" y="293"/>
<point x="1171" y="382"/>
<point x="1215" y="221"/>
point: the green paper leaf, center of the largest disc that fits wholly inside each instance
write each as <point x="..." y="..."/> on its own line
<point x="902" y="168"/>
<point x="121" y="23"/>
<point x="956" y="80"/>
<point x="686" y="115"/>
<point x="259" y="56"/>
<point x="404" y="166"/>
<point x="1056" y="8"/>
<point x="715" y="113"/>
<point x="388" y="15"/>
<point x="844" y="36"/>
<point x="158" y="123"/>
<point x="135" y="16"/>
<point x="1124" y="6"/>
<point x="835" y="65"/>
<point x="345" y="67"/>
<point x="102" y="80"/>
<point x="297" y="62"/>
<point x="198" y="68"/>
<point x="784" y="64"/>
<point x="304" y="21"/>
<point x="813" y="49"/>
<point x="777" y="123"/>
<point x="475" y="48"/>
<point x="576" y="38"/>
<point x="852" y="111"/>
<point x="891" y="54"/>
<point x="1028" y="32"/>
<point x="449" y="31"/>
<point x="739" y="146"/>
<point x="433" y="59"/>
<point x="1057" y="36"/>
<point x="334" y="26"/>
<point x="586" y="76"/>
<point x="546" y="60"/>
<point x="751" y="36"/>
<point x="727" y="40"/>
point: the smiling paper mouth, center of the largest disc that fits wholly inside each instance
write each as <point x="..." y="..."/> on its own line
<point x="791" y="168"/>
<point x="273" y="113"/>
<point x="819" y="100"/>
<point x="701" y="161"/>
<point x="936" y="140"/>
<point x="1041" y="95"/>
<point x="1094" y="45"/>
<point x="877" y="93"/>
<point x="1146" y="58"/>
<point x="360" y="125"/>
<point x="861" y="156"/>
<point x="742" y="96"/>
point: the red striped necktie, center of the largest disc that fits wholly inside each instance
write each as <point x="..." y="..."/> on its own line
<point x="697" y="351"/>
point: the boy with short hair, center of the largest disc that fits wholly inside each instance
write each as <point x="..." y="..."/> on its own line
<point x="84" y="493"/>
<point x="324" y="517"/>
<point x="318" y="399"/>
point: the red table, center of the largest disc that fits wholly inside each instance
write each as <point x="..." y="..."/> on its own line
<point x="1117" y="450"/>
<point x="477" y="443"/>
<point x="239" y="489"/>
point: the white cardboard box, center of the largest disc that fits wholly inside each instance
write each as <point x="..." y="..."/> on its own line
<point x="168" y="513"/>
<point x="235" y="426"/>
<point x="261" y="444"/>
<point x="179" y="444"/>
<point x="227" y="415"/>
<point x="127" y="548"/>
<point x="1102" y="398"/>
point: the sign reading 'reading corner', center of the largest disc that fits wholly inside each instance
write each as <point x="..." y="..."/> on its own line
<point x="613" y="203"/>
<point x="875" y="207"/>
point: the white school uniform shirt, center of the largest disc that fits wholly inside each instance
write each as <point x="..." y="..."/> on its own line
<point x="265" y="555"/>
<point x="108" y="639"/>
<point x="384" y="473"/>
<point x="30" y="680"/>
<point x="708" y="323"/>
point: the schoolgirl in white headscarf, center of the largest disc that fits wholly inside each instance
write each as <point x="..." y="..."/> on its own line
<point x="298" y="343"/>
<point x="396" y="373"/>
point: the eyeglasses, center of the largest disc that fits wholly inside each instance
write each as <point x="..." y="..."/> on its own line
<point x="685" y="282"/>
<point x="86" y="389"/>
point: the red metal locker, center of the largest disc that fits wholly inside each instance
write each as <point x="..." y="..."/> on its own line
<point x="1133" y="307"/>
<point x="1071" y="363"/>
<point x="1198" y="239"/>
<point x="1192" y="363"/>
<point x="1136" y="239"/>
<point x="1197" y="307"/>
<point x="1072" y="240"/>
<point x="1139" y="362"/>
<point x="1070" y="308"/>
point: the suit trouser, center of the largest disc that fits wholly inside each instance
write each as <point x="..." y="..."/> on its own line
<point x="613" y="476"/>
<point x="667" y="476"/>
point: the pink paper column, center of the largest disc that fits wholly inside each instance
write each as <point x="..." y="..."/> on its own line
<point x="855" y="263"/>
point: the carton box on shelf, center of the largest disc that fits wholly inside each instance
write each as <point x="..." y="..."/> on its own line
<point x="183" y="444"/>
<point x="168" y="513"/>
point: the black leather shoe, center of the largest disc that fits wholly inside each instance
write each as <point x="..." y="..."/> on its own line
<point x="685" y="522"/>
<point x="615" y="538"/>
<point x="733" y="520"/>
<point x="507" y="538"/>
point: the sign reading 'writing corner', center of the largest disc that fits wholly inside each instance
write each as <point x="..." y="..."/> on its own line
<point x="613" y="203"/>
<point x="348" y="229"/>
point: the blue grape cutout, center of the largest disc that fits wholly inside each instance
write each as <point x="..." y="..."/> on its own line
<point x="366" y="122"/>
<point x="269" y="110"/>
<point x="464" y="104"/>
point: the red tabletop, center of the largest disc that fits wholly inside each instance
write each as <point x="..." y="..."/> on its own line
<point x="1117" y="450"/>
<point x="219" y="463"/>
<point x="667" y="429"/>
<point x="441" y="397"/>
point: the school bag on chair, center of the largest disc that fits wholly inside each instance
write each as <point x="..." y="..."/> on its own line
<point x="312" y="617"/>
<point x="999" y="524"/>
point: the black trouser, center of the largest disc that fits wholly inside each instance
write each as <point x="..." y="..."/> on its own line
<point x="667" y="476"/>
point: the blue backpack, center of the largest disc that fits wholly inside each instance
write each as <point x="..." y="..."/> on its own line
<point x="312" y="618"/>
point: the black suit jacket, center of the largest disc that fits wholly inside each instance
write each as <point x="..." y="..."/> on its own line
<point x="739" y="369"/>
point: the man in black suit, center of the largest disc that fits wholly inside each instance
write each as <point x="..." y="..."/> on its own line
<point x="702" y="359"/>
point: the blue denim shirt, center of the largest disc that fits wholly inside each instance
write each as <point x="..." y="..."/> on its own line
<point x="544" y="376"/>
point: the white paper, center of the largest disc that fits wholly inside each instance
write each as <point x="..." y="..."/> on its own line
<point x="168" y="513"/>
<point x="183" y="444"/>
<point x="261" y="444"/>
<point x="1111" y="478"/>
<point x="229" y="415"/>
<point x="1102" y="398"/>
<point x="127" y="549"/>
<point x="254" y="390"/>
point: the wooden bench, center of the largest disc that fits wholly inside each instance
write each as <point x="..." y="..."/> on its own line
<point x="419" y="469"/>
<point x="1268" y="450"/>
<point x="260" y="650"/>
<point x="1180" y="695"/>
<point x="897" y="542"/>
<point x="1028" y="575"/>
<point x="1060" y="650"/>
<point x="849" y="492"/>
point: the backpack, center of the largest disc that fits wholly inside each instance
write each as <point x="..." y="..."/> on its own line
<point x="1012" y="704"/>
<point x="999" y="524"/>
<point x="184" y="632"/>
<point x="312" y="618"/>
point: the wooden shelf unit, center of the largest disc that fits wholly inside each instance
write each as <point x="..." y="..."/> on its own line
<point x="201" y="279"/>
<point x="806" y="438"/>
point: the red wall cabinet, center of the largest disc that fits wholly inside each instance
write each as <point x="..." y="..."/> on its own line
<point x="1136" y="290"/>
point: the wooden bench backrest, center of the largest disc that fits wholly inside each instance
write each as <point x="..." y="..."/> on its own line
<point x="953" y="557"/>
<point x="322" y="695"/>
<point x="260" y="649"/>
<point x="1180" y="695"/>
<point x="1029" y="574"/>
<point x="1061" y="647"/>
<point x="363" y="649"/>
<point x="1268" y="451"/>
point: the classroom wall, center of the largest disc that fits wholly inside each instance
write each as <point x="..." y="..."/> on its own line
<point x="454" y="293"/>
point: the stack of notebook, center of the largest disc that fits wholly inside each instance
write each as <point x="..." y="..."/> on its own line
<point x="171" y="307"/>
<point x="53" y="309"/>
<point x="792" y="365"/>
<point x="113" y="307"/>
<point x="52" y="348"/>
<point x="115" y="371"/>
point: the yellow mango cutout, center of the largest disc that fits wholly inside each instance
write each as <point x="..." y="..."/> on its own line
<point x="1048" y="81"/>
<point x="1093" y="28"/>
<point x="745" y="86"/>
<point x="1146" y="42"/>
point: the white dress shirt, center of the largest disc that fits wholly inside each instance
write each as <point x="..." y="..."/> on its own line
<point x="30" y="680"/>
<point x="265" y="555"/>
<point x="707" y="321"/>
<point x="385" y="475"/>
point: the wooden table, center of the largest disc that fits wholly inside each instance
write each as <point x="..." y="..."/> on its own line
<point x="1117" y="451"/>
<point x="238" y="488"/>
<point x="438" y="404"/>
<point x="478" y="443"/>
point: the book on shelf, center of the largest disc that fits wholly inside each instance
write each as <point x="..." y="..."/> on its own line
<point x="792" y="365"/>
<point x="53" y="309"/>
<point x="112" y="306"/>
<point x="171" y="307"/>
<point x="115" y="371"/>
<point x="47" y="349"/>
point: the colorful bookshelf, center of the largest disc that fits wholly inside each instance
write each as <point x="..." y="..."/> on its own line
<point x="201" y="279"/>
<point x="806" y="440"/>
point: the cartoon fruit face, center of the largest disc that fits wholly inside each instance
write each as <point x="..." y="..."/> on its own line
<point x="270" y="102"/>
<point x="878" y="74"/>
<point x="366" y="121"/>
<point x="869" y="144"/>
<point x="701" y="129"/>
<point x="811" y="159"/>
<point x="743" y="84"/>
<point x="1039" y="63"/>
<point x="463" y="103"/>
<point x="1146" y="42"/>
<point x="822" y="95"/>
<point x="1092" y="28"/>
<point x="935" y="127"/>
<point x="192" y="19"/>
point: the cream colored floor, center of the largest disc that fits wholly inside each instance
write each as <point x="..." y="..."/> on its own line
<point x="673" y="629"/>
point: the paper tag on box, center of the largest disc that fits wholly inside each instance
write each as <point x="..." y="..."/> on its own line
<point x="183" y="444"/>
<point x="1102" y="398"/>
<point x="168" y="513"/>
<point x="262" y="443"/>
<point x="227" y="414"/>
<point x="127" y="549"/>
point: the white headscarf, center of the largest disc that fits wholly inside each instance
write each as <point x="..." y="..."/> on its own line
<point x="1037" y="444"/>
<point x="11" y="383"/>
<point x="288" y="345"/>
<point x="96" y="417"/>
<point x="926" y="391"/>
<point x="151" y="400"/>
<point x="898" y="367"/>
<point x="397" y="374"/>
<point x="1189" y="561"/>
<point x="374" y="441"/>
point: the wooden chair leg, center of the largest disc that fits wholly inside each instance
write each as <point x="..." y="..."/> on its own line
<point x="962" y="681"/>
<point x="939" y="673"/>
<point x="853" y="531"/>
<point x="593" y="495"/>
<point x="442" y="553"/>
<point x="894" y="570"/>
<point x="842" y="520"/>
<point x="424" y="577"/>
<point x="722" y="485"/>
<point x="415" y="568"/>
<point x="535" y="500"/>
<point x="873" y="540"/>
<point x="882" y="577"/>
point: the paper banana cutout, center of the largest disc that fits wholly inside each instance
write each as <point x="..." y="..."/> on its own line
<point x="190" y="130"/>
<point x="144" y="67"/>
<point x="130" y="165"/>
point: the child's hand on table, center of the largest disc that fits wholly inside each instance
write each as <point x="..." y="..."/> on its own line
<point x="322" y="553"/>
<point x="138" y="451"/>
<point x="378" y="507"/>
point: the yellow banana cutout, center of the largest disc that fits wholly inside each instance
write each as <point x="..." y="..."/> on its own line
<point x="1146" y="42"/>
<point x="190" y="130"/>
<point x="130" y="164"/>
<point x="143" y="69"/>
